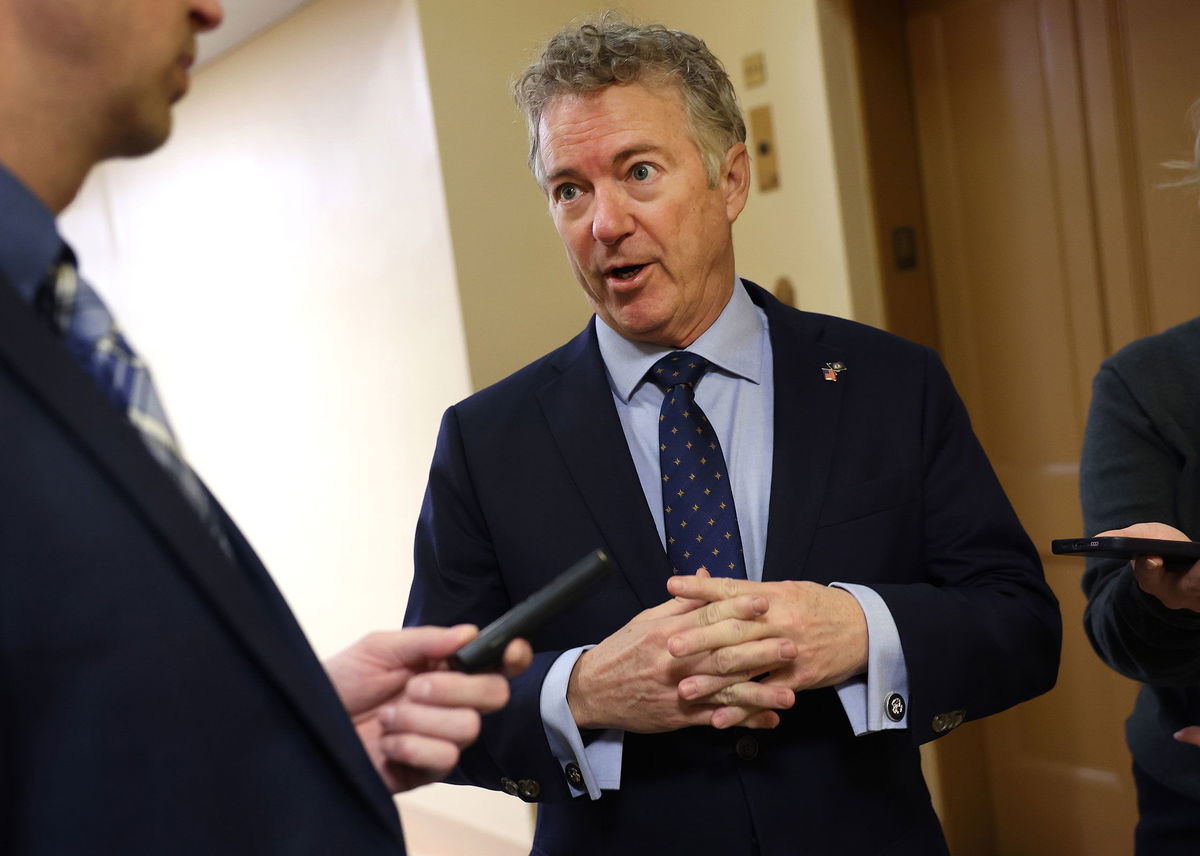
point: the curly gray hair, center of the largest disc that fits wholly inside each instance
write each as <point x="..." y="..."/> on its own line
<point x="611" y="52"/>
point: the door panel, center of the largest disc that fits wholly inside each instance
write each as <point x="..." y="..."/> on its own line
<point x="1162" y="63"/>
<point x="1016" y="278"/>
<point x="1041" y="126"/>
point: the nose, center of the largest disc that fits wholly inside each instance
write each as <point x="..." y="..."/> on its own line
<point x="612" y="219"/>
<point x="205" y="14"/>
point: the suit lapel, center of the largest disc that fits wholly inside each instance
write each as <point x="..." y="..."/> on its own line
<point x="578" y="407"/>
<point x="114" y="447"/>
<point x="807" y="409"/>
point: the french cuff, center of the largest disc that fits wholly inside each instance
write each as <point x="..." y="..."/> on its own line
<point x="589" y="766"/>
<point x="877" y="701"/>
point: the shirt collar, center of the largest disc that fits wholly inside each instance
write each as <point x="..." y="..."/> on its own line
<point x="29" y="239"/>
<point x="733" y="344"/>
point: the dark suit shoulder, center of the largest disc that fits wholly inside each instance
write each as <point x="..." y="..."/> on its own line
<point x="1177" y="347"/>
<point x="1159" y="373"/>
<point x="832" y="330"/>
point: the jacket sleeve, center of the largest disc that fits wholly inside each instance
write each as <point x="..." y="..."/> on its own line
<point x="981" y="631"/>
<point x="457" y="579"/>
<point x="1135" y="457"/>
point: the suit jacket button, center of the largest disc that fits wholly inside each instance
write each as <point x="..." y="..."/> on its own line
<point x="574" y="776"/>
<point x="747" y="747"/>
<point x="528" y="789"/>
<point x="510" y="787"/>
<point x="944" y="722"/>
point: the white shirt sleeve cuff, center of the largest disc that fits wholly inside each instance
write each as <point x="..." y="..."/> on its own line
<point x="599" y="761"/>
<point x="878" y="700"/>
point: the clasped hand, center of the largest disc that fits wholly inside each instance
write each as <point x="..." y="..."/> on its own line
<point x="723" y="652"/>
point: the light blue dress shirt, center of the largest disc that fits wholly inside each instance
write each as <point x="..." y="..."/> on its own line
<point x="737" y="394"/>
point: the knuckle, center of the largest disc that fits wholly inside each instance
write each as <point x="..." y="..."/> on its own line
<point x="398" y="747"/>
<point x="470" y="727"/>
<point x="655" y="635"/>
<point x="725" y="661"/>
<point x="402" y="720"/>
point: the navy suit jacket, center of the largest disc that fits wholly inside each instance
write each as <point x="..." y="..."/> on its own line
<point x="877" y="479"/>
<point x="155" y="696"/>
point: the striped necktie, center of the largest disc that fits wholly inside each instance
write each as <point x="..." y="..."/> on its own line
<point x="93" y="338"/>
<point x="699" y="520"/>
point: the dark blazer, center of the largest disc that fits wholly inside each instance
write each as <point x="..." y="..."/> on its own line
<point x="877" y="479"/>
<point x="155" y="696"/>
<point x="1141" y="462"/>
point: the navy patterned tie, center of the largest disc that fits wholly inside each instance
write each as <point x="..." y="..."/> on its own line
<point x="699" y="519"/>
<point x="92" y="337"/>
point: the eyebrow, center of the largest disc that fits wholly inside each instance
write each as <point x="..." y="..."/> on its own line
<point x="624" y="154"/>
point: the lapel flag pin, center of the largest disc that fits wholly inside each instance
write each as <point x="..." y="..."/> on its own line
<point x="832" y="370"/>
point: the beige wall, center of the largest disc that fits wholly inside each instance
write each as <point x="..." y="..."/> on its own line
<point x="519" y="298"/>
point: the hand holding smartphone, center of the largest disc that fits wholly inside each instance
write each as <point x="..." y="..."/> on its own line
<point x="1175" y="554"/>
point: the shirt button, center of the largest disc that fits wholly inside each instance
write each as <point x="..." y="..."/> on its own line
<point x="747" y="748"/>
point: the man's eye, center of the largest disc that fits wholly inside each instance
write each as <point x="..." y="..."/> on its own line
<point x="567" y="192"/>
<point x="641" y="171"/>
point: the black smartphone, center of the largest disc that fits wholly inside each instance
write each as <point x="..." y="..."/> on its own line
<point x="1174" y="553"/>
<point x="485" y="650"/>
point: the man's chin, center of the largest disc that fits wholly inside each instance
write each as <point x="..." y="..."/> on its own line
<point x="638" y="326"/>
<point x="142" y="137"/>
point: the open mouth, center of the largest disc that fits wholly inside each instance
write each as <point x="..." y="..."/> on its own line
<point x="625" y="273"/>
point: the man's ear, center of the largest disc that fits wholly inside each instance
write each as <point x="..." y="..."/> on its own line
<point x="734" y="180"/>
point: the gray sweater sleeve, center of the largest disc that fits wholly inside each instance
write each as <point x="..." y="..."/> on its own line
<point x="1139" y="465"/>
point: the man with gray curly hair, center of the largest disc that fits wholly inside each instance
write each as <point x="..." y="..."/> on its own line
<point x="576" y="62"/>
<point x="808" y="590"/>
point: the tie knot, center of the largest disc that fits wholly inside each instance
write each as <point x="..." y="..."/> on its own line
<point x="678" y="367"/>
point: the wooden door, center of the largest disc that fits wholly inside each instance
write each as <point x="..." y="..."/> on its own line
<point x="1039" y="129"/>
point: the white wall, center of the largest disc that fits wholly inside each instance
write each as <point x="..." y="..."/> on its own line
<point x="284" y="265"/>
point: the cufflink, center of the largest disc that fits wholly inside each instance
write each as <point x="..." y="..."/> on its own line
<point x="894" y="707"/>
<point x="574" y="776"/>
